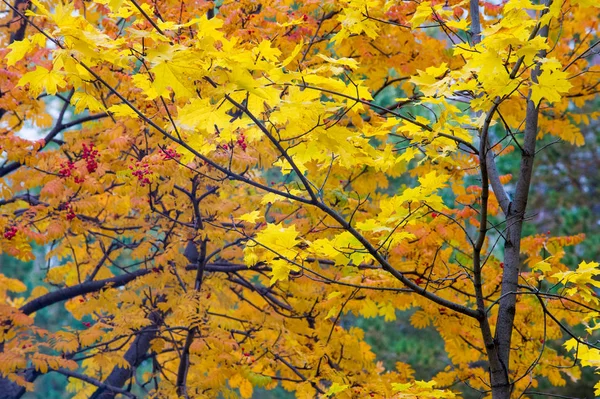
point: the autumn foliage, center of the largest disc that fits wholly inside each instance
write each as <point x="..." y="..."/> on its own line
<point x="219" y="184"/>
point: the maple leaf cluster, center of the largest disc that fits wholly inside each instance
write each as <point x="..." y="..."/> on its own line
<point x="219" y="185"/>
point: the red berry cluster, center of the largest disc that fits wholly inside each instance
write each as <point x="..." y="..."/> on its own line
<point x="241" y="141"/>
<point x="87" y="324"/>
<point x="70" y="212"/>
<point x="66" y="169"/>
<point x="90" y="154"/>
<point x="141" y="171"/>
<point x="170" y="153"/>
<point x="10" y="232"/>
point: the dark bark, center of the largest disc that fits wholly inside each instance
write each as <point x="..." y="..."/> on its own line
<point x="135" y="355"/>
<point x="498" y="346"/>
<point x="512" y="245"/>
<point x="78" y="290"/>
<point x="11" y="390"/>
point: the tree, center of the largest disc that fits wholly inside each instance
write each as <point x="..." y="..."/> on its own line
<point x="221" y="183"/>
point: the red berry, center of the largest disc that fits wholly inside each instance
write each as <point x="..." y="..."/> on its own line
<point x="434" y="215"/>
<point x="87" y="324"/>
<point x="502" y="265"/>
<point x="10" y="232"/>
<point x="66" y="169"/>
<point x="70" y="212"/>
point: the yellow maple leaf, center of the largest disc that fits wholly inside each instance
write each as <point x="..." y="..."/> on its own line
<point x="250" y="217"/>
<point x="522" y="5"/>
<point x="173" y="75"/>
<point x="369" y="309"/>
<point x="542" y="266"/>
<point x="421" y="14"/>
<point x="336" y="388"/>
<point x="42" y="79"/>
<point x="388" y="312"/>
<point x="280" y="270"/>
<point x="18" y="49"/>
<point x="463" y="24"/>
<point x="83" y="101"/>
<point x="265" y="50"/>
<point x="552" y="82"/>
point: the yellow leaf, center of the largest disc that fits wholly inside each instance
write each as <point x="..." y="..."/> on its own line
<point x="552" y="82"/>
<point x="421" y="14"/>
<point x="334" y="294"/>
<point x="388" y="312"/>
<point x="333" y="312"/>
<point x="425" y="384"/>
<point x="250" y="217"/>
<point x="420" y="319"/>
<point x="369" y="309"/>
<point x="349" y="62"/>
<point x="169" y="74"/>
<point x="18" y="49"/>
<point x="542" y="266"/>
<point x="38" y="292"/>
<point x="293" y="54"/>
<point x="398" y="387"/>
<point x="41" y="79"/>
<point x="246" y="389"/>
<point x="40" y="365"/>
<point x="11" y="284"/>
<point x="83" y="101"/>
<point x="280" y="270"/>
<point x="122" y="110"/>
<point x="265" y="50"/>
<point x="522" y="5"/>
<point x="463" y="24"/>
<point x="336" y="388"/>
<point x="293" y="22"/>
